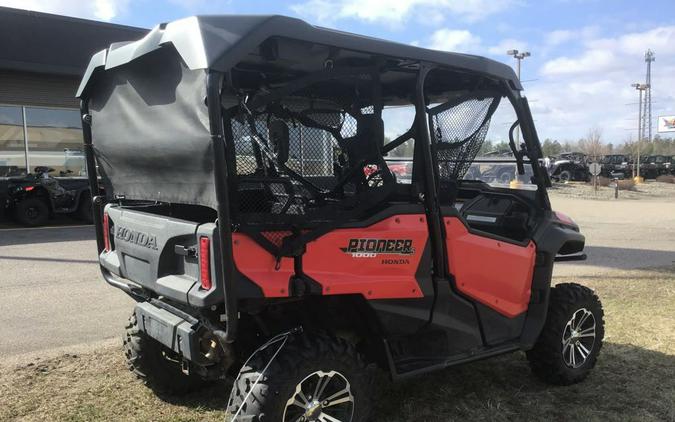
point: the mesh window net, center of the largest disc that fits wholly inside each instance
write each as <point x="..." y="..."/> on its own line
<point x="459" y="129"/>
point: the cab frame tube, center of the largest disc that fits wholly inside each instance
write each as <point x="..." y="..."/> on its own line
<point x="225" y="271"/>
<point x="430" y="176"/>
<point x="90" y="163"/>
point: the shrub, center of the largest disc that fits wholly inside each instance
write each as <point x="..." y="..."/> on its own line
<point x="627" y="184"/>
<point x="603" y="181"/>
<point x="666" y="178"/>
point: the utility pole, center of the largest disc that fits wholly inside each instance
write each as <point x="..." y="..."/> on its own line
<point x="519" y="56"/>
<point x="641" y="88"/>
<point x="647" y="106"/>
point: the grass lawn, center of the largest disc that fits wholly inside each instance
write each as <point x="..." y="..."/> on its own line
<point x="634" y="378"/>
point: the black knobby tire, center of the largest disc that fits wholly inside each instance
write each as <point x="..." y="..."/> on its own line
<point x="299" y="362"/>
<point x="546" y="358"/>
<point x="147" y="358"/>
<point x="565" y="176"/>
<point x="505" y="177"/>
<point x="31" y="212"/>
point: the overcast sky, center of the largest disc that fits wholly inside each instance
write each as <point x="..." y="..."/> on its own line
<point x="585" y="53"/>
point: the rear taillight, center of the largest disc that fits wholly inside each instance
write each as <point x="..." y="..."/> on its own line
<point x="106" y="233"/>
<point x="205" y="262"/>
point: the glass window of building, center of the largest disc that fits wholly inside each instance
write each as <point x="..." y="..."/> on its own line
<point x="12" y="143"/>
<point x="55" y="141"/>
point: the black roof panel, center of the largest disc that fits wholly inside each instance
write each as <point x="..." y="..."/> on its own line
<point x="221" y="41"/>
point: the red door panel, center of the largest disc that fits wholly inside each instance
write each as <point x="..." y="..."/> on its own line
<point x="496" y="273"/>
<point x="379" y="261"/>
<point x="260" y="266"/>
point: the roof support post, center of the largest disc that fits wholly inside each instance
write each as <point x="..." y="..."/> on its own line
<point x="225" y="269"/>
<point x="430" y="174"/>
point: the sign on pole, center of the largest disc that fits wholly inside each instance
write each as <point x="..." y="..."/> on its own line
<point x="665" y="124"/>
<point x="595" y="168"/>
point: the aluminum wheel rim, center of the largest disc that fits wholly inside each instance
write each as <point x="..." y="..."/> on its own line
<point x="321" y="396"/>
<point x="578" y="338"/>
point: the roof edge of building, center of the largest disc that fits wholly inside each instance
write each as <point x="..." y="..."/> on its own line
<point x="26" y="12"/>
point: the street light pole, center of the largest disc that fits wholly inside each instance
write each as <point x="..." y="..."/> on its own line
<point x="519" y="56"/>
<point x="640" y="88"/>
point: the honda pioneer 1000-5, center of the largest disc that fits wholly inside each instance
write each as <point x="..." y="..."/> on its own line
<point x="250" y="212"/>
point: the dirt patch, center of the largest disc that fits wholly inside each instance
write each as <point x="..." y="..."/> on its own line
<point x="634" y="379"/>
<point x="627" y="190"/>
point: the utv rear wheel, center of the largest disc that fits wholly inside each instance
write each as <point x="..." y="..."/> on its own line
<point x="155" y="364"/>
<point x="570" y="342"/>
<point x="31" y="212"/>
<point x="565" y="176"/>
<point x="317" y="378"/>
<point x="85" y="210"/>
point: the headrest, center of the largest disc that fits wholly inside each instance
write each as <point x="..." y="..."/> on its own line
<point x="371" y="126"/>
<point x="280" y="139"/>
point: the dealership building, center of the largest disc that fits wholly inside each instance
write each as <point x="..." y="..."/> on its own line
<point x="42" y="59"/>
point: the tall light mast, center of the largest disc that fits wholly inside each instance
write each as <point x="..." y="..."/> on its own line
<point x="647" y="103"/>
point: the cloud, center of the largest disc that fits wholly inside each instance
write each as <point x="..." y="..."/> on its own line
<point x="592" y="88"/>
<point x="591" y="59"/>
<point x="508" y="44"/>
<point x="660" y="38"/>
<point x="464" y="41"/>
<point x="459" y="40"/>
<point x="559" y="36"/>
<point x="104" y="10"/>
<point x="395" y="12"/>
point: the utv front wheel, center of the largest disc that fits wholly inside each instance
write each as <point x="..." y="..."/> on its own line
<point x="565" y="176"/>
<point x="31" y="212"/>
<point x="570" y="342"/>
<point x="155" y="364"/>
<point x="317" y="378"/>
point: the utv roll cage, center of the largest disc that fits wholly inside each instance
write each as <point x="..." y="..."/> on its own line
<point x="255" y="70"/>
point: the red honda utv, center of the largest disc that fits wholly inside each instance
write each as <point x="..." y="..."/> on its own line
<point x="250" y="212"/>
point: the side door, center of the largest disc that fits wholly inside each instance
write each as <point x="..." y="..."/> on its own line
<point x="492" y="269"/>
<point x="489" y="252"/>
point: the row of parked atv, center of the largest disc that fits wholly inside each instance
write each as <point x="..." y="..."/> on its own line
<point x="32" y="200"/>
<point x="651" y="166"/>
<point x="574" y="166"/>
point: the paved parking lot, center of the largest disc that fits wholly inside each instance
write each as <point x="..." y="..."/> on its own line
<point x="52" y="295"/>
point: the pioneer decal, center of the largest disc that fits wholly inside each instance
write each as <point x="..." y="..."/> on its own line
<point x="136" y="237"/>
<point x="370" y="248"/>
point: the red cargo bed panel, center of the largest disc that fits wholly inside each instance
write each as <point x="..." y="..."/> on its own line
<point x="378" y="261"/>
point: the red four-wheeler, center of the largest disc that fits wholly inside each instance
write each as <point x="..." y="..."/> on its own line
<point x="239" y="214"/>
